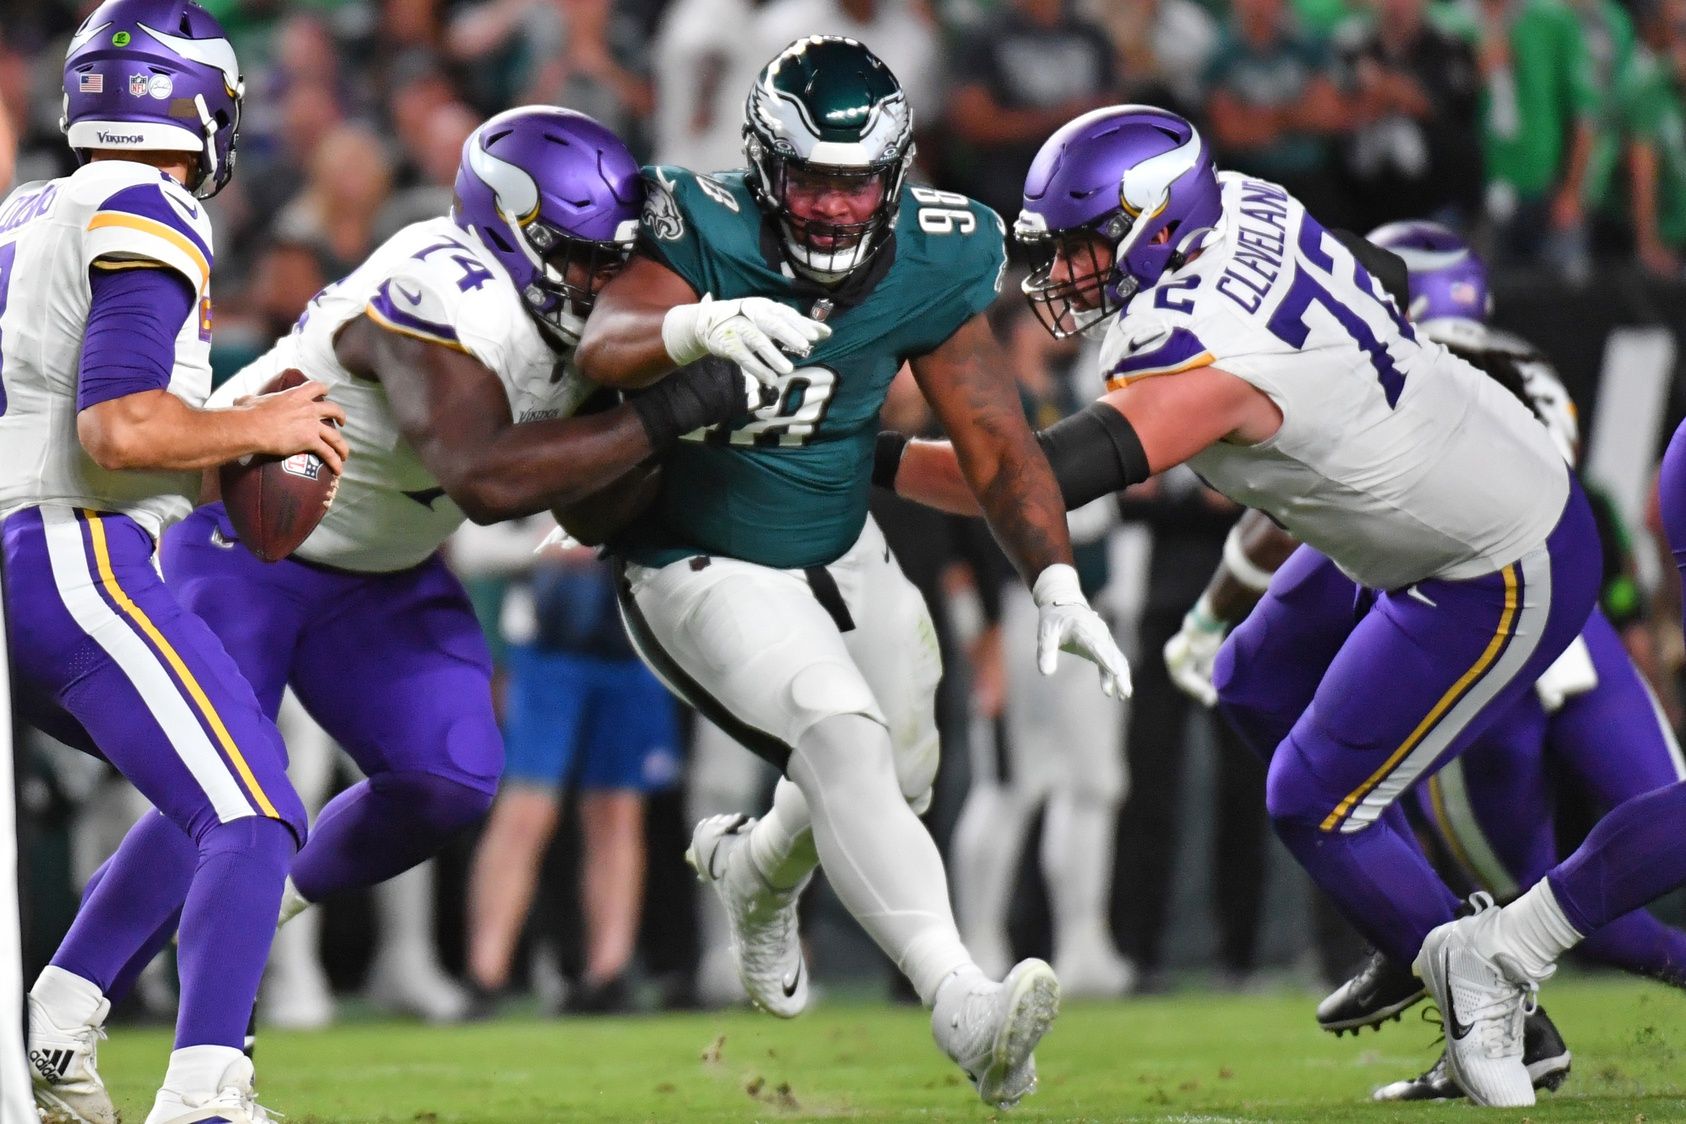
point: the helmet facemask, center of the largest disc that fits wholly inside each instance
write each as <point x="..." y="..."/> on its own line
<point x="828" y="249"/>
<point x="1092" y="289"/>
<point x="569" y="272"/>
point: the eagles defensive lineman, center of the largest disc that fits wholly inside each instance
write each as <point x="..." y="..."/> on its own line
<point x="105" y="329"/>
<point x="449" y="348"/>
<point x="1245" y="339"/>
<point x="757" y="587"/>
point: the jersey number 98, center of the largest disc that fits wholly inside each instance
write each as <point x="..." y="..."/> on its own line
<point x="943" y="212"/>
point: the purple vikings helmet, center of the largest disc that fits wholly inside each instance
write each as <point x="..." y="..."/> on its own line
<point x="1449" y="294"/>
<point x="546" y="189"/>
<point x="1124" y="173"/>
<point x="154" y="75"/>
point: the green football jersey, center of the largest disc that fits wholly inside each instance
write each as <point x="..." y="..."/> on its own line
<point x="787" y="486"/>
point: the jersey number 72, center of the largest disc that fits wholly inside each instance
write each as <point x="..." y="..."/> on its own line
<point x="1288" y="324"/>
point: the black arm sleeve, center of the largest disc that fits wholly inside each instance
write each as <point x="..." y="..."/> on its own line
<point x="1094" y="452"/>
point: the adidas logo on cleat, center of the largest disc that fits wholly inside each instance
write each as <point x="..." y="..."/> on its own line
<point x="52" y="1064"/>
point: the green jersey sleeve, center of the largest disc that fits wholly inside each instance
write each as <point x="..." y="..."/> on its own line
<point x="702" y="228"/>
<point x="959" y="246"/>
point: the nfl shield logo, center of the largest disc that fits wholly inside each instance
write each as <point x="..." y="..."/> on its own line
<point x="137" y="85"/>
<point x="307" y="465"/>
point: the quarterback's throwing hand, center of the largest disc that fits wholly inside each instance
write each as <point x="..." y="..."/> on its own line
<point x="748" y="331"/>
<point x="1066" y="623"/>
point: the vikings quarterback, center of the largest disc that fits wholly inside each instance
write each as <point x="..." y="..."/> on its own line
<point x="1244" y="338"/>
<point x="105" y="329"/>
<point x="756" y="585"/>
<point x="1590" y="714"/>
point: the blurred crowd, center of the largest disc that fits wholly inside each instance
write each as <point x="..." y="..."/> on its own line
<point x="1552" y="131"/>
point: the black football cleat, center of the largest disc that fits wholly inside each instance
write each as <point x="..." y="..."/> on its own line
<point x="1382" y="989"/>
<point x="1543" y="1052"/>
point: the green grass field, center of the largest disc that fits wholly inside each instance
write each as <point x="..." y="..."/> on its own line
<point x="1188" y="1058"/>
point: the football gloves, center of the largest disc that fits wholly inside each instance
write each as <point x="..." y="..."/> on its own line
<point x="1066" y="623"/>
<point x="1189" y="654"/>
<point x="748" y="331"/>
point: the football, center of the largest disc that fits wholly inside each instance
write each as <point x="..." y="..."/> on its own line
<point x="275" y="502"/>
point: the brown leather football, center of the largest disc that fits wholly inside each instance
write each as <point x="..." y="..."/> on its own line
<point x="275" y="502"/>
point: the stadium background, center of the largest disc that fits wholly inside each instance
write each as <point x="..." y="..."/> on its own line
<point x="1552" y="131"/>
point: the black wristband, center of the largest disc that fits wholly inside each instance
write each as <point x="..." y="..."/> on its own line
<point x="707" y="392"/>
<point x="1094" y="452"/>
<point x="887" y="458"/>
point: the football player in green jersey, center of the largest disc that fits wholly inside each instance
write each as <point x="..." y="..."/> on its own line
<point x="756" y="585"/>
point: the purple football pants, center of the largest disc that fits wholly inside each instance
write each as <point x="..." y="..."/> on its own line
<point x="395" y="668"/>
<point x="1353" y="707"/>
<point x="106" y="656"/>
<point x="1637" y="853"/>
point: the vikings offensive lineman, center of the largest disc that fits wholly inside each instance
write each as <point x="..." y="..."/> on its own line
<point x="757" y="587"/>
<point x="104" y="367"/>
<point x="1245" y="339"/>
<point x="1493" y="805"/>
<point x="449" y="347"/>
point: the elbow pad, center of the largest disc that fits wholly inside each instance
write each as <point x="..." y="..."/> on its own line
<point x="1094" y="452"/>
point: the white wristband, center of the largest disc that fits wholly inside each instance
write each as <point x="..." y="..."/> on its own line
<point x="1058" y="585"/>
<point x="679" y="333"/>
<point x="1243" y="569"/>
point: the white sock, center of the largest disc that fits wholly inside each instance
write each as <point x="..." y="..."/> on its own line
<point x="879" y="858"/>
<point x="781" y="844"/>
<point x="1533" y="932"/>
<point x="195" y="1072"/>
<point x="984" y="854"/>
<point x="68" y="999"/>
<point x="1077" y="842"/>
<point x="293" y="903"/>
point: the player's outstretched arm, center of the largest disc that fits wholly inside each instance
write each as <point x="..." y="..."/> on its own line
<point x="964" y="379"/>
<point x="1124" y="437"/>
<point x="126" y="416"/>
<point x="154" y="430"/>
<point x="455" y="413"/>
<point x="648" y="321"/>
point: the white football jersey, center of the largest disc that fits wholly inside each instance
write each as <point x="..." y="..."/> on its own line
<point x="1395" y="458"/>
<point x="434" y="281"/>
<point x="51" y="233"/>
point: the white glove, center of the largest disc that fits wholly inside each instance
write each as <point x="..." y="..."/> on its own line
<point x="748" y="331"/>
<point x="1066" y="623"/>
<point x="1189" y="654"/>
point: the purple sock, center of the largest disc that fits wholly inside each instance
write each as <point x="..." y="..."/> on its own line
<point x="1637" y="942"/>
<point x="227" y="926"/>
<point x="382" y="827"/>
<point x="1378" y="878"/>
<point x="1633" y="856"/>
<point x="134" y="896"/>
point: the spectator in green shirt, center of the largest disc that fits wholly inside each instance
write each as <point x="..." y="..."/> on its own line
<point x="1538" y="95"/>
<point x="1654" y="108"/>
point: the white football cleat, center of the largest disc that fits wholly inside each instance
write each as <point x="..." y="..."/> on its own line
<point x="234" y="1102"/>
<point x="765" y="940"/>
<point x="1483" y="1008"/>
<point x="991" y="1029"/>
<point x="63" y="1064"/>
